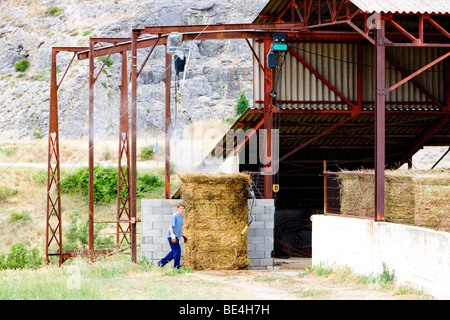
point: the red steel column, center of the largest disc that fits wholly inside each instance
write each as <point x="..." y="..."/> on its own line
<point x="123" y="202"/>
<point x="53" y="175"/>
<point x="268" y="123"/>
<point x="91" y="149"/>
<point x="380" y="99"/>
<point x="167" y="124"/>
<point x="133" y="143"/>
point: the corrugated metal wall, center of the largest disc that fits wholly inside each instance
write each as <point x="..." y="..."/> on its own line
<point x="338" y="64"/>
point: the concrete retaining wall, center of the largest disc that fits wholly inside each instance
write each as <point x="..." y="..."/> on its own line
<point x="419" y="257"/>
<point x="155" y="217"/>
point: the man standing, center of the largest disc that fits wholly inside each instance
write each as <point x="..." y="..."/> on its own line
<point x="174" y="234"/>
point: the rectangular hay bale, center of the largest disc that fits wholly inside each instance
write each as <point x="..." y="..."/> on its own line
<point x="215" y="214"/>
<point x="414" y="198"/>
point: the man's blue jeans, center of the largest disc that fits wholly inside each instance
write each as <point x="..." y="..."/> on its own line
<point x="175" y="254"/>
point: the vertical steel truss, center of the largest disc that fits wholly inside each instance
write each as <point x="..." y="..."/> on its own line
<point x="302" y="17"/>
<point x="123" y="178"/>
<point x="53" y="242"/>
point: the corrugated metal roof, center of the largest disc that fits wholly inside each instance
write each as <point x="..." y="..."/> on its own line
<point x="404" y="6"/>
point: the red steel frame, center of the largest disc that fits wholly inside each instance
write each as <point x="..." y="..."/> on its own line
<point x="328" y="13"/>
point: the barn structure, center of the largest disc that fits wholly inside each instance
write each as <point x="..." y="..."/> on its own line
<point x="355" y="83"/>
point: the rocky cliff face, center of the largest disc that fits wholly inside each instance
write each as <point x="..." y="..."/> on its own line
<point x="216" y="72"/>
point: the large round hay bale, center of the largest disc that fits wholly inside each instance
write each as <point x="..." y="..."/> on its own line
<point x="215" y="214"/>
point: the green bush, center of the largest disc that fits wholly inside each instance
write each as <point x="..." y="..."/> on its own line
<point x="40" y="177"/>
<point x="242" y="104"/>
<point x="19" y="258"/>
<point x="77" y="234"/>
<point x="105" y="183"/>
<point x="146" y="153"/>
<point x="22" y="65"/>
<point x="16" y="216"/>
<point x="6" y="193"/>
<point x="109" y="62"/>
<point x="34" y="259"/>
<point x="54" y="11"/>
<point x="2" y="262"/>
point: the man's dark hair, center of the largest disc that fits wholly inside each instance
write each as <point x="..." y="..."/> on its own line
<point x="181" y="205"/>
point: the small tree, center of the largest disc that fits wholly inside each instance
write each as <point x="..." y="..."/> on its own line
<point x="242" y="104"/>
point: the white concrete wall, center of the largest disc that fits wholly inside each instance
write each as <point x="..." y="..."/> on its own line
<point x="156" y="214"/>
<point x="419" y="257"/>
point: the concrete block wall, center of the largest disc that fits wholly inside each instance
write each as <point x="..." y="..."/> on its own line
<point x="156" y="214"/>
<point x="260" y="234"/>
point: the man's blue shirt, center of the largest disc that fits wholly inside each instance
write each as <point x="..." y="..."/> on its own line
<point x="176" y="222"/>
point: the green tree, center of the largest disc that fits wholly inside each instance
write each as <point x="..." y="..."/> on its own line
<point x="242" y="104"/>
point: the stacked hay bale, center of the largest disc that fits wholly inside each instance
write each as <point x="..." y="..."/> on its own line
<point x="420" y="199"/>
<point x="216" y="212"/>
<point x="433" y="201"/>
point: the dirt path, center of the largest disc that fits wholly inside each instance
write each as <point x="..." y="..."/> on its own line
<point x="291" y="283"/>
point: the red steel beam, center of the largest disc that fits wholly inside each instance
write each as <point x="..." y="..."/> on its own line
<point x="223" y="27"/>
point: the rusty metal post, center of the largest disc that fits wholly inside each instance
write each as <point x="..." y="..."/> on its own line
<point x="167" y="126"/>
<point x="134" y="37"/>
<point x="123" y="181"/>
<point x="268" y="124"/>
<point x="53" y="231"/>
<point x="380" y="99"/>
<point x="91" y="149"/>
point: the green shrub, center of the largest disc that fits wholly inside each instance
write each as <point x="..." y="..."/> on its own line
<point x="105" y="183"/>
<point x="9" y="150"/>
<point x="109" y="62"/>
<point x="54" y="11"/>
<point x="77" y="234"/>
<point x="40" y="177"/>
<point x="146" y="153"/>
<point x="242" y="104"/>
<point x="17" y="258"/>
<point x="16" y="216"/>
<point x="147" y="183"/>
<point x="22" y="65"/>
<point x="2" y="262"/>
<point x="6" y="193"/>
<point x="386" y="276"/>
<point x="34" y="259"/>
